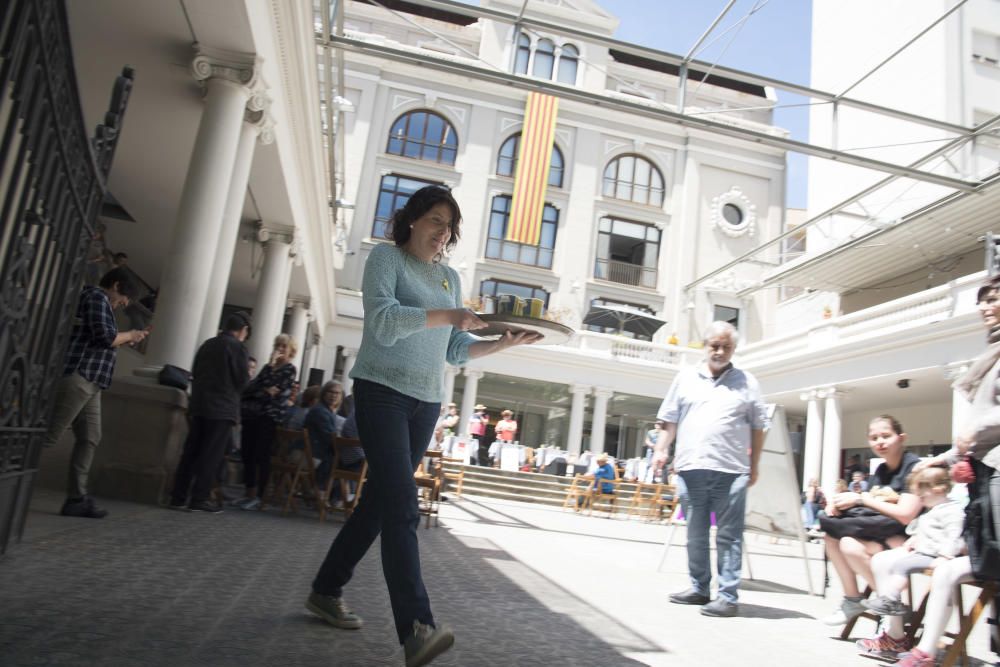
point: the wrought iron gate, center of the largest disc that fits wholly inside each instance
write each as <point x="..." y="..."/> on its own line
<point x="52" y="184"/>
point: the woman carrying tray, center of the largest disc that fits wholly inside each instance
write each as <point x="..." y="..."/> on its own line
<point x="414" y="323"/>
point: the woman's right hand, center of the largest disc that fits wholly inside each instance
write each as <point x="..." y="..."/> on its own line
<point x="464" y="319"/>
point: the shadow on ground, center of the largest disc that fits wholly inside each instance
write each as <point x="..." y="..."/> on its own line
<point x="154" y="587"/>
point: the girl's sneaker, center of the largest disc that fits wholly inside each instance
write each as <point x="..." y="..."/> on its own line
<point x="883" y="646"/>
<point x="251" y="504"/>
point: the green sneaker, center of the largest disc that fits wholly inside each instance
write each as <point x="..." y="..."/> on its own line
<point x="426" y="643"/>
<point x="333" y="610"/>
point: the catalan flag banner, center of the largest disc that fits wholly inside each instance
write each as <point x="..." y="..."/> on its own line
<point x="532" y="177"/>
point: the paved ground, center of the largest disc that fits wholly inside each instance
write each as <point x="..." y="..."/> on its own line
<point x="522" y="585"/>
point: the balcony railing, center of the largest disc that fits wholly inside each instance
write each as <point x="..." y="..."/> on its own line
<point x="618" y="347"/>
<point x="889" y="319"/>
<point x="624" y="273"/>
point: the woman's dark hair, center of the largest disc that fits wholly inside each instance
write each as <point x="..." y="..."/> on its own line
<point x="419" y="203"/>
<point x="897" y="428"/>
<point x="125" y="285"/>
<point x="989" y="285"/>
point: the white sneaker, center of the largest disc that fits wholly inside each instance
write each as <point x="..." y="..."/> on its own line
<point x="426" y="643"/>
<point x="849" y="609"/>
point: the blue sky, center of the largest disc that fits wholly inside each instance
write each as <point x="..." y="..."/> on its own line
<point x="774" y="42"/>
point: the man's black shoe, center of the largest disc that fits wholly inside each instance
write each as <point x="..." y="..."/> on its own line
<point x="205" y="506"/>
<point x="82" y="507"/>
<point x="690" y="596"/>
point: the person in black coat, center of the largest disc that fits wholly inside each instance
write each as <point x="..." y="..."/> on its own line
<point x="220" y="372"/>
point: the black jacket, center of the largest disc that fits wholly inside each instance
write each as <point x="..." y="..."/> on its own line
<point x="221" y="371"/>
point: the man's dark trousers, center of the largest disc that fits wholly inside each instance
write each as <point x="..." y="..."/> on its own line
<point x="203" y="451"/>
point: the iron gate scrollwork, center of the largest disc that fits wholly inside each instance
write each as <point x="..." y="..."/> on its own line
<point x="52" y="184"/>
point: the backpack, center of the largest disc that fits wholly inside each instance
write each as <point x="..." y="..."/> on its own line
<point x="980" y="533"/>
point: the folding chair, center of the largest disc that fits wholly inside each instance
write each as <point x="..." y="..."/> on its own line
<point x="287" y="474"/>
<point x="666" y="502"/>
<point x="645" y="494"/>
<point x="454" y="474"/>
<point x="598" y="493"/>
<point x="428" y="481"/>
<point x="344" y="478"/>
<point x="578" y="493"/>
<point x="966" y="618"/>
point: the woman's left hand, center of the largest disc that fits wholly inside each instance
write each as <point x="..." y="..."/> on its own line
<point x="510" y="339"/>
<point x="842" y="501"/>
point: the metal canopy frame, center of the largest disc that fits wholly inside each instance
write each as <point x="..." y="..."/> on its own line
<point x="334" y="40"/>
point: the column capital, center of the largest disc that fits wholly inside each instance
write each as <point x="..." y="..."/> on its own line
<point x="829" y="392"/>
<point x="274" y="233"/>
<point x="298" y="300"/>
<point x="473" y="373"/>
<point x="349" y="351"/>
<point x="603" y="392"/>
<point x="580" y="389"/>
<point x="451" y="370"/>
<point x="243" y="69"/>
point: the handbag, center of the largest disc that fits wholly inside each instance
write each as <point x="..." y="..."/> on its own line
<point x="174" y="376"/>
<point x="862" y="523"/>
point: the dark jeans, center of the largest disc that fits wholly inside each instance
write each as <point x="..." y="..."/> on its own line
<point x="257" y="439"/>
<point x="204" y="450"/>
<point x="394" y="430"/>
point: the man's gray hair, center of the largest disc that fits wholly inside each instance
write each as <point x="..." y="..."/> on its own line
<point x="719" y="328"/>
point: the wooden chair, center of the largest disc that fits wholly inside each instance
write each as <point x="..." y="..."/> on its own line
<point x="428" y="478"/>
<point x="578" y="493"/>
<point x="344" y="478"/>
<point x="454" y="474"/>
<point x="967" y="619"/>
<point x="645" y="494"/>
<point x="598" y="493"/>
<point x="290" y="473"/>
<point x="666" y="502"/>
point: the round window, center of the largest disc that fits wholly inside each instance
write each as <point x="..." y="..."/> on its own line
<point x="732" y="214"/>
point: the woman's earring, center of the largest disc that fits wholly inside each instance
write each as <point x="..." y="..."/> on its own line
<point x="411" y="226"/>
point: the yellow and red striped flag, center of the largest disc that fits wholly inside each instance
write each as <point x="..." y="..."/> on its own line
<point x="532" y="177"/>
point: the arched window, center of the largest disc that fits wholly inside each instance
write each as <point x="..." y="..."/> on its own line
<point x="633" y="178"/>
<point x="523" y="54"/>
<point x="568" y="61"/>
<point x="507" y="160"/>
<point x="423" y="135"/>
<point x="393" y="194"/>
<point x="498" y="247"/>
<point x="545" y="58"/>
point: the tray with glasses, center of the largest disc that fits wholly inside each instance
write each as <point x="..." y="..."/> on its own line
<point x="553" y="333"/>
<point x="512" y="313"/>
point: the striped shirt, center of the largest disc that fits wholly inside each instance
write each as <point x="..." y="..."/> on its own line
<point x="91" y="351"/>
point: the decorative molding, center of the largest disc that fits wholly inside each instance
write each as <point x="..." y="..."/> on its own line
<point x="728" y="283"/>
<point x="613" y="146"/>
<point x="507" y="123"/>
<point x="263" y="121"/>
<point x="458" y="112"/>
<point x="564" y="137"/>
<point x="735" y="196"/>
<point x="581" y="389"/>
<point x="430" y="99"/>
<point x="400" y="100"/>
<point x="603" y="392"/>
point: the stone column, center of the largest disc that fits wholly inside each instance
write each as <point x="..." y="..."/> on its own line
<point x="230" y="82"/>
<point x="577" y="407"/>
<point x="256" y="124"/>
<point x="469" y="394"/>
<point x="449" y="384"/>
<point x="269" y="307"/>
<point x="813" y="447"/>
<point x="601" y="396"/>
<point x="831" y="468"/>
<point x="298" y="324"/>
<point x="350" y="356"/>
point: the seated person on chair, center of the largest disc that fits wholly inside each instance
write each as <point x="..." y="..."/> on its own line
<point x="323" y="423"/>
<point x="935" y="536"/>
<point x="604" y="471"/>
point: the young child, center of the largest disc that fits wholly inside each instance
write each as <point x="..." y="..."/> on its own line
<point x="934" y="535"/>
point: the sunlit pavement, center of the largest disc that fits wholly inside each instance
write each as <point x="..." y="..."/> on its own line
<point x="520" y="584"/>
